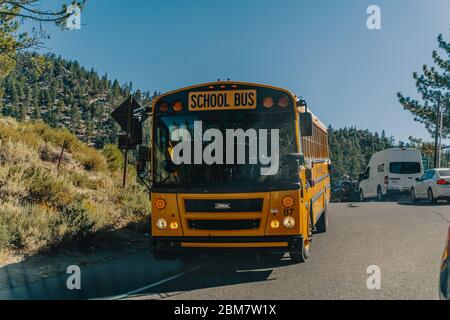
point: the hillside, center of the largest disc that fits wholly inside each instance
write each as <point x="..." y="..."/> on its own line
<point x="351" y="150"/>
<point x="66" y="95"/>
<point x="41" y="209"/>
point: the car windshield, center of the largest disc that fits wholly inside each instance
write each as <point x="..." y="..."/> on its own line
<point x="201" y="174"/>
<point x="405" y="167"/>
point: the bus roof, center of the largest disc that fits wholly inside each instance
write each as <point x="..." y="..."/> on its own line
<point x="219" y="83"/>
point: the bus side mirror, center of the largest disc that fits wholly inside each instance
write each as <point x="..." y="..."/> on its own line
<point x="306" y="124"/>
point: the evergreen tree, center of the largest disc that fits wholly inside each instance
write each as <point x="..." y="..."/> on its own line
<point x="434" y="88"/>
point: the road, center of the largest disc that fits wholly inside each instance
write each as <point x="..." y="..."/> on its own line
<point x="405" y="240"/>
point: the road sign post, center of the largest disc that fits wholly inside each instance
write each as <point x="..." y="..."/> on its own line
<point x="125" y="117"/>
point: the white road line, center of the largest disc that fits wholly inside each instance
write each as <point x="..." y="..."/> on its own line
<point x="128" y="294"/>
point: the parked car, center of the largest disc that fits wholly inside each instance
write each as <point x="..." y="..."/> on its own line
<point x="390" y="172"/>
<point x="434" y="185"/>
<point x="444" y="279"/>
<point x="347" y="191"/>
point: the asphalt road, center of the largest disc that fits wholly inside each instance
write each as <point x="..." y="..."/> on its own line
<point x="405" y="240"/>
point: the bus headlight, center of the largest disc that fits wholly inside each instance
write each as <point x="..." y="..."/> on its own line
<point x="161" y="224"/>
<point x="275" y="224"/>
<point x="173" y="225"/>
<point x="289" y="222"/>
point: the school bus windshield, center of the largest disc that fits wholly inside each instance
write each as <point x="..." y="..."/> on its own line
<point x="228" y="170"/>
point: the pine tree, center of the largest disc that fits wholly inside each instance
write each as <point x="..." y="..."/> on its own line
<point x="434" y="88"/>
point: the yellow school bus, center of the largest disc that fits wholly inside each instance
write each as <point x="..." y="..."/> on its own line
<point x="247" y="195"/>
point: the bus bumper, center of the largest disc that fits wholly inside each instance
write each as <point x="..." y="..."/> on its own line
<point x="235" y="244"/>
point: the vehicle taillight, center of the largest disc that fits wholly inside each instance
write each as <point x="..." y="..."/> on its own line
<point x="386" y="180"/>
<point x="442" y="182"/>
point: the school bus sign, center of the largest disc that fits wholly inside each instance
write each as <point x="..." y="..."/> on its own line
<point x="222" y="100"/>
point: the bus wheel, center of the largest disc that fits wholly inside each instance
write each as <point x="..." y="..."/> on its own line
<point x="322" y="223"/>
<point x="303" y="255"/>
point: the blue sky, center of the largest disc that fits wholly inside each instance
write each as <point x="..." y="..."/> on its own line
<point x="322" y="50"/>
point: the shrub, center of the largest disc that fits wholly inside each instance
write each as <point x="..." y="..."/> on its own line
<point x="83" y="181"/>
<point x="76" y="220"/>
<point x="135" y="201"/>
<point x="92" y="160"/>
<point x="45" y="188"/>
<point x="114" y="157"/>
<point x="5" y="239"/>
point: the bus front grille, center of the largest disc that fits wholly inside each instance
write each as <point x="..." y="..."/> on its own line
<point x="224" y="224"/>
<point x="223" y="205"/>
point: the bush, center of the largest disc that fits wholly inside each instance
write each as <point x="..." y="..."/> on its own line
<point x="76" y="220"/>
<point x="114" y="157"/>
<point x="29" y="227"/>
<point x="92" y="160"/>
<point x="135" y="201"/>
<point x="83" y="181"/>
<point x="5" y="239"/>
<point x="44" y="188"/>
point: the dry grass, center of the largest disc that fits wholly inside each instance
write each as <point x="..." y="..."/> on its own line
<point x="40" y="209"/>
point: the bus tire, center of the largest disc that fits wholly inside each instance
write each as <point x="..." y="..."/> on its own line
<point x="303" y="255"/>
<point x="322" y="223"/>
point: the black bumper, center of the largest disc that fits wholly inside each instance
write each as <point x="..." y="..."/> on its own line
<point x="173" y="244"/>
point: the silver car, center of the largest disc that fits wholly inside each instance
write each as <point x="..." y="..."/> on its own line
<point x="433" y="186"/>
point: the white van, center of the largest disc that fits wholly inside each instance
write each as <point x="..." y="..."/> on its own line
<point x="390" y="172"/>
